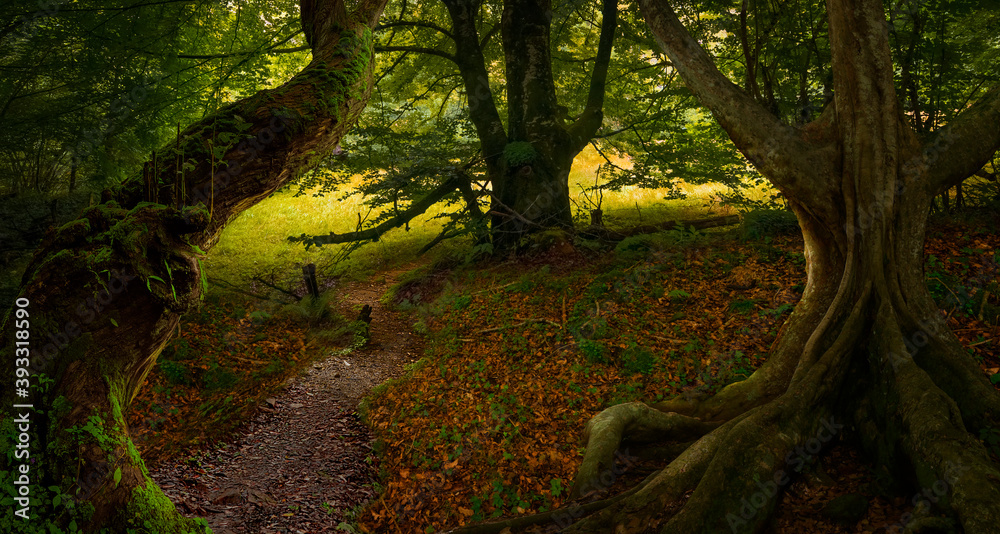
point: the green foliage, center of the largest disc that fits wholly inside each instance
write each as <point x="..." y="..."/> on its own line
<point x="259" y="316"/>
<point x="218" y="377"/>
<point x="761" y="223"/>
<point x="102" y="85"/>
<point x="175" y="372"/>
<point x="519" y="153"/>
<point x="743" y="305"/>
<point x="310" y="310"/>
<point x="678" y="294"/>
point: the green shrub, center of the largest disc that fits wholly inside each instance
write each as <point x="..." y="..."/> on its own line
<point x="310" y="310"/>
<point x="218" y="377"/>
<point x="760" y="223"/>
<point x="259" y="317"/>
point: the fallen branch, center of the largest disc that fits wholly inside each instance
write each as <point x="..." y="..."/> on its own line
<point x="229" y="286"/>
<point x="415" y="210"/>
<point x="263" y="282"/>
<point x="570" y="510"/>
<point x="604" y="234"/>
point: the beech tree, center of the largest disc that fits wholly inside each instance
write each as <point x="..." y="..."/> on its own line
<point x="104" y="293"/>
<point x="865" y="354"/>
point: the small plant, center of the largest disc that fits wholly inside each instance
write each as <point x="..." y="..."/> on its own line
<point x="593" y="350"/>
<point x="743" y="305"/>
<point x="218" y="377"/>
<point x="638" y="359"/>
<point x="678" y="294"/>
<point x="779" y="311"/>
<point x="259" y="316"/>
<point x="175" y="373"/>
<point x="461" y="302"/>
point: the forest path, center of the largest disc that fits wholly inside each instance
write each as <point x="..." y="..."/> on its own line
<point x="302" y="464"/>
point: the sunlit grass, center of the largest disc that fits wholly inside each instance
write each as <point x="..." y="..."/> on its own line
<point x="256" y="241"/>
<point x="634" y="205"/>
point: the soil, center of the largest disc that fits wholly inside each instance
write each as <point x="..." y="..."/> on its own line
<point x="304" y="463"/>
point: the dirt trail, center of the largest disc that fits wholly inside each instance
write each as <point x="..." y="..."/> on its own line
<point x="304" y="462"/>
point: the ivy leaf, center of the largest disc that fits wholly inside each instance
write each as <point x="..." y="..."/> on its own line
<point x="118" y="476"/>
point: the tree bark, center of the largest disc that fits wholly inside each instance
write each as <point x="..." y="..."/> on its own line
<point x="106" y="291"/>
<point x="866" y="354"/>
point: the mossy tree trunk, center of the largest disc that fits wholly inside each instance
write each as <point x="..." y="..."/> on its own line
<point x="865" y="354"/>
<point x="105" y="292"/>
<point x="528" y="161"/>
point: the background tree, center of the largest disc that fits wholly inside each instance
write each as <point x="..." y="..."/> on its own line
<point x="105" y="292"/>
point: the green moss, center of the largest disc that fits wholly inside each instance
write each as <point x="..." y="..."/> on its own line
<point x="150" y="510"/>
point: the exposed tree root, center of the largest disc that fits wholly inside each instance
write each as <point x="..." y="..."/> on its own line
<point x="934" y="448"/>
<point x="637" y="421"/>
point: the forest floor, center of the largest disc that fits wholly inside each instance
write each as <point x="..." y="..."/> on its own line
<point x="511" y="358"/>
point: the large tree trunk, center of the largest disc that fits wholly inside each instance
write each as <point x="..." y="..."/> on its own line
<point x="104" y="293"/>
<point x="531" y="187"/>
<point x="865" y="355"/>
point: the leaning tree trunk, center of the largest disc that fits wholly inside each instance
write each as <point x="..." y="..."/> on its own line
<point x="104" y="293"/>
<point x="865" y="355"/>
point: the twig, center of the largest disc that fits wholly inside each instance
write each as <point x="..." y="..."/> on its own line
<point x="522" y="323"/>
<point x="276" y="288"/>
<point x="668" y="340"/>
<point x="229" y="286"/>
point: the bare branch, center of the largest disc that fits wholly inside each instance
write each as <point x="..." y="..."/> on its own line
<point x="415" y="24"/>
<point x="417" y="50"/>
<point x="416" y="209"/>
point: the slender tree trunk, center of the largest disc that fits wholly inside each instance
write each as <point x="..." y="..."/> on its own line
<point x="104" y="293"/>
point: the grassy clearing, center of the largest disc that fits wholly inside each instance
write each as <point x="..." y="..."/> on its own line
<point x="256" y="241"/>
<point x="237" y="350"/>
